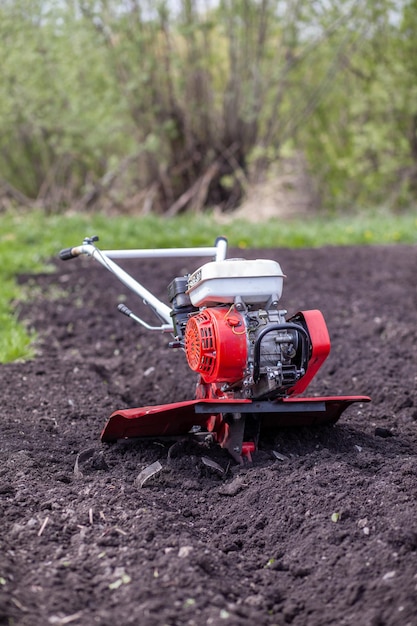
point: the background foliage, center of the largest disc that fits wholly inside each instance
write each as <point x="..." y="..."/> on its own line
<point x="135" y="105"/>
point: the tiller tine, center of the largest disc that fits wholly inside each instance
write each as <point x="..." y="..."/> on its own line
<point x="225" y="419"/>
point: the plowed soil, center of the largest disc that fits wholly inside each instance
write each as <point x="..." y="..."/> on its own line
<point x="325" y="533"/>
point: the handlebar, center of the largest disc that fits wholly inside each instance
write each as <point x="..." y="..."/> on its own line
<point x="104" y="257"/>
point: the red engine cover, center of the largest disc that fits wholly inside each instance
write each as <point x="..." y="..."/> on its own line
<point x="216" y="346"/>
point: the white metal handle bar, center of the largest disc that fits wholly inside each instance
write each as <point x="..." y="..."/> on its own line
<point x="104" y="257"/>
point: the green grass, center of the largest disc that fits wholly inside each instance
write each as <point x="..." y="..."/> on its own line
<point x="29" y="240"/>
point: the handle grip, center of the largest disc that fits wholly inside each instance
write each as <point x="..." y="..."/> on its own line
<point x="66" y="254"/>
<point x="124" y="309"/>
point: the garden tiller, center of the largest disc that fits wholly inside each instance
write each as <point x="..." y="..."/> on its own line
<point x="252" y="362"/>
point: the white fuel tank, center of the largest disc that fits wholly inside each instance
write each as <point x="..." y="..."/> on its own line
<point x="219" y="282"/>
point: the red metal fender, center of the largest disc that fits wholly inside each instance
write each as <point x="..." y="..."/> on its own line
<point x="320" y="341"/>
<point x="178" y="418"/>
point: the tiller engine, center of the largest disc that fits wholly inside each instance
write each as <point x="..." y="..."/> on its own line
<point x="251" y="361"/>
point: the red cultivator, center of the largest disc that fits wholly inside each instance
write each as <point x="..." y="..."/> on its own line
<point x="251" y="361"/>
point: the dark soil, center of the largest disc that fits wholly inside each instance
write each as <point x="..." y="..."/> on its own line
<point x="324" y="535"/>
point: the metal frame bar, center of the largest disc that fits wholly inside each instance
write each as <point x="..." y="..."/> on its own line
<point x="264" y="406"/>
